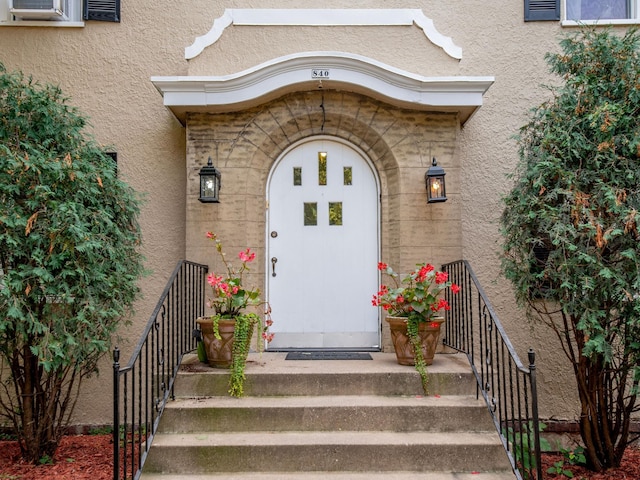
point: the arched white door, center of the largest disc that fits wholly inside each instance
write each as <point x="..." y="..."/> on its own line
<point x="322" y="237"/>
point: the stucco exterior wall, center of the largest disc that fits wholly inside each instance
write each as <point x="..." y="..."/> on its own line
<point x="105" y="69"/>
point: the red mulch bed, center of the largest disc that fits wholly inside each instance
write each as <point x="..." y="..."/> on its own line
<point x="629" y="468"/>
<point x="79" y="457"/>
<point x="90" y="457"/>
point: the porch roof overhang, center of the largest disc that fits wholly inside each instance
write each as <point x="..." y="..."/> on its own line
<point x="312" y="71"/>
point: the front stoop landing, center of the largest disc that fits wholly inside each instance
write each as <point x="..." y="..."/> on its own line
<point x="327" y="419"/>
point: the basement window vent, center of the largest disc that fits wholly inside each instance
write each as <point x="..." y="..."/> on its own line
<point x="102" y="10"/>
<point x="539" y="10"/>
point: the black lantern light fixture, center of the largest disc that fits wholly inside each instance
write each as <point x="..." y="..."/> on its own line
<point x="435" y="183"/>
<point x="210" y="183"/>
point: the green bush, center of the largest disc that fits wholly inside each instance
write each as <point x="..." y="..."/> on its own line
<point x="571" y="228"/>
<point x="69" y="259"/>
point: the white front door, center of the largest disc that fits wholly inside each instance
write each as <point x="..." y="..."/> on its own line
<point x="322" y="237"/>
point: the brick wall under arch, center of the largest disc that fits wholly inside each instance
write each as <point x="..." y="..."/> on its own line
<point x="400" y="143"/>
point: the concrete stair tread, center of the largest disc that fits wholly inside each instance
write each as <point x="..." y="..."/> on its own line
<point x="270" y="363"/>
<point x="269" y="374"/>
<point x="399" y="475"/>
<point x="257" y="439"/>
<point x="326" y="413"/>
<point x="327" y="401"/>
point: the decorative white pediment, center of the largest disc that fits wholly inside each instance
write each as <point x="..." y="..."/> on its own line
<point x="309" y="71"/>
<point x="323" y="17"/>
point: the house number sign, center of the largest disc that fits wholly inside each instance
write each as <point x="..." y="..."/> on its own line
<point x="320" y="73"/>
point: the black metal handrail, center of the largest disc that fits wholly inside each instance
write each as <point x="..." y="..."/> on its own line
<point x="508" y="387"/>
<point x="142" y="388"/>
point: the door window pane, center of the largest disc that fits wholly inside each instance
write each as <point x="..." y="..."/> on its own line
<point x="348" y="175"/>
<point x="297" y="176"/>
<point x="322" y="168"/>
<point x="310" y="213"/>
<point x="335" y="213"/>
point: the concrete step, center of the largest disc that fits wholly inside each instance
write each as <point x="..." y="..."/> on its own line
<point x="401" y="475"/>
<point x="269" y="374"/>
<point x="325" y="413"/>
<point x="329" y="420"/>
<point x="336" y="451"/>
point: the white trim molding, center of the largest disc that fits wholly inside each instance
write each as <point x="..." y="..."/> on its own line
<point x="309" y="71"/>
<point x="323" y="17"/>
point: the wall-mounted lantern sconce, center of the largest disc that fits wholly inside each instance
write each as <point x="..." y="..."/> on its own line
<point x="435" y="183"/>
<point x="210" y="183"/>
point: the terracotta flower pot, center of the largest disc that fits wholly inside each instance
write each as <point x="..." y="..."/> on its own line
<point x="219" y="352"/>
<point x="429" y="333"/>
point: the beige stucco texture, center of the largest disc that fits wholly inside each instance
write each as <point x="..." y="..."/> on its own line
<point x="105" y="69"/>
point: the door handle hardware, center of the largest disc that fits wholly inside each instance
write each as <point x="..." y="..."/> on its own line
<point x="274" y="260"/>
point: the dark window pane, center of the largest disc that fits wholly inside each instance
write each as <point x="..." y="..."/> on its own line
<point x="322" y="168"/>
<point x="598" y="9"/>
<point x="335" y="213"/>
<point x="348" y="175"/>
<point x="310" y="214"/>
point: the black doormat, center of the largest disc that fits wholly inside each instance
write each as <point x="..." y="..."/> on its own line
<point x="328" y="356"/>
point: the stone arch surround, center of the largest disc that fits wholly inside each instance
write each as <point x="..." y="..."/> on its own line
<point x="400" y="143"/>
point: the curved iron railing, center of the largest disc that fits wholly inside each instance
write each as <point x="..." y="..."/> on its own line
<point x="508" y="387"/>
<point x="142" y="387"/>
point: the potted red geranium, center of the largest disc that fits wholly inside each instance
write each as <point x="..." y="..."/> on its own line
<point x="226" y="335"/>
<point x="413" y="304"/>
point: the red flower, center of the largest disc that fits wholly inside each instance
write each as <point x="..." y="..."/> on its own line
<point x="419" y="291"/>
<point x="224" y="288"/>
<point x="213" y="280"/>
<point x="443" y="304"/>
<point x="422" y="273"/>
<point x="441" y="277"/>
<point x="247" y="256"/>
<point x="267" y="336"/>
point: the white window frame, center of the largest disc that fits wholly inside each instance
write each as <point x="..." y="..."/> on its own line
<point x="634" y="20"/>
<point x="72" y="17"/>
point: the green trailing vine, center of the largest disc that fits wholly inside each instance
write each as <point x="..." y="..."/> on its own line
<point x="245" y="323"/>
<point x="202" y="352"/>
<point x="413" y="326"/>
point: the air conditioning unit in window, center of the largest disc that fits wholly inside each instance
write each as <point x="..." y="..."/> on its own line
<point x="37" y="9"/>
